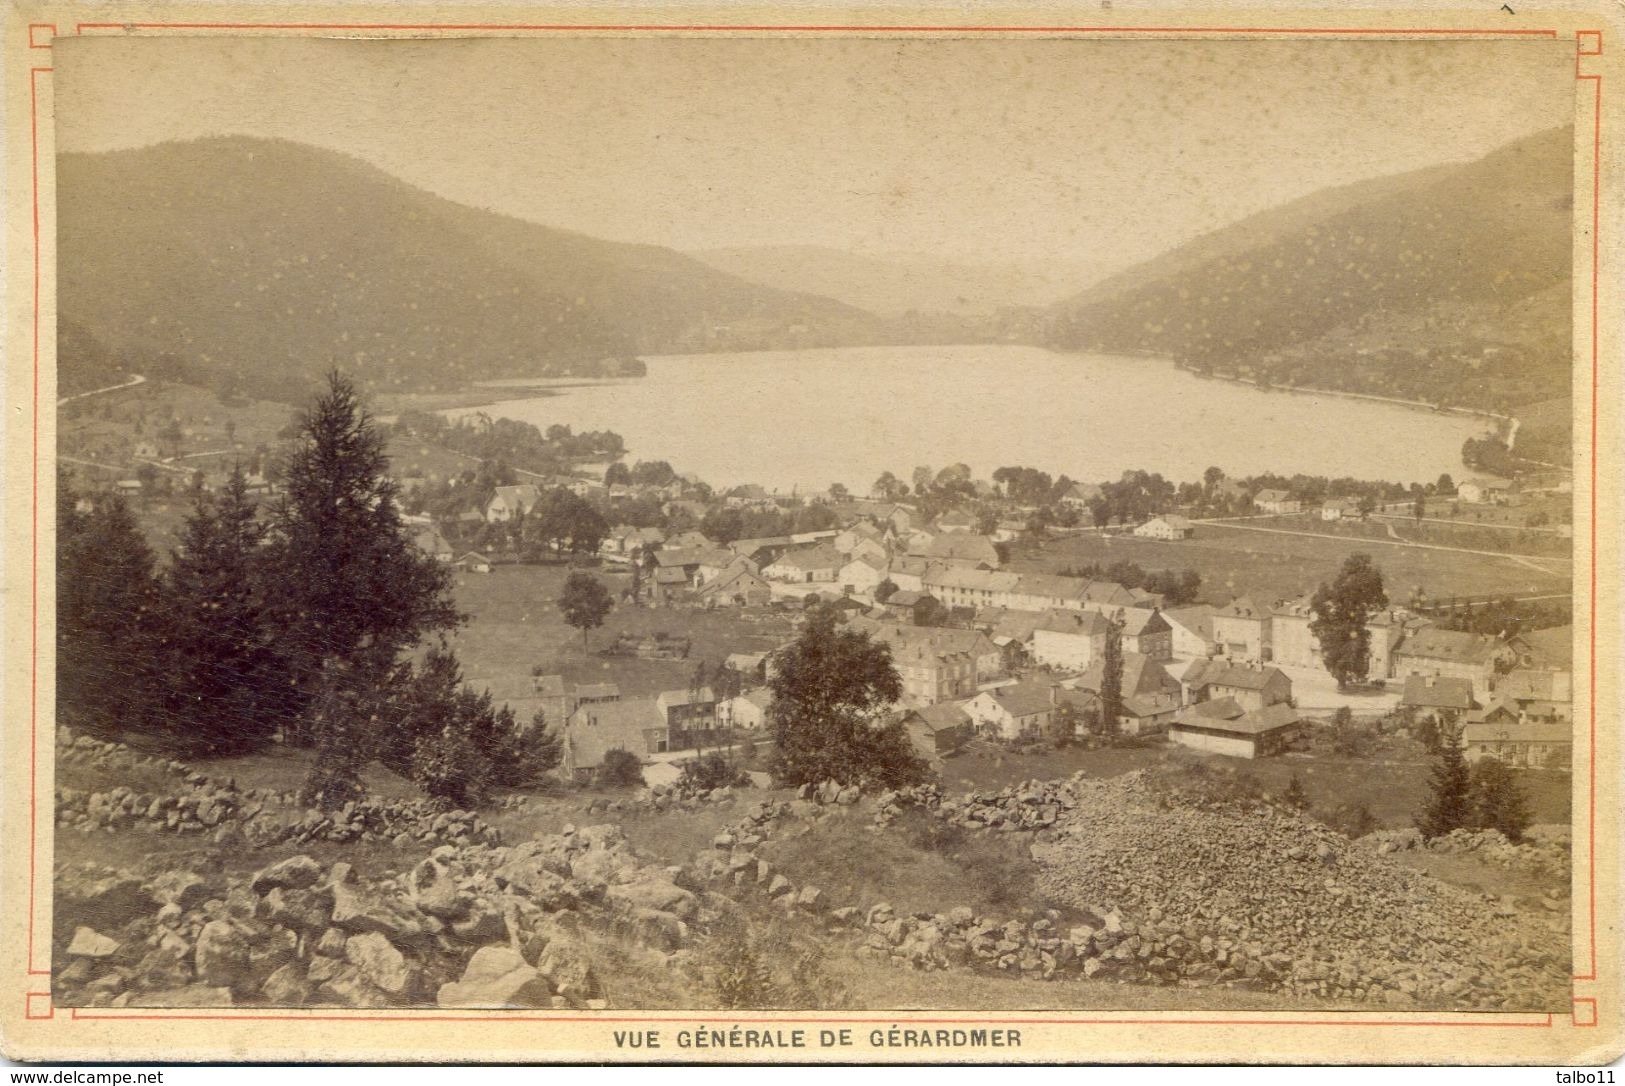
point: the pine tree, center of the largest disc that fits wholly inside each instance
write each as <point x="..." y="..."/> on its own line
<point x="108" y="634"/>
<point x="1449" y="806"/>
<point x="1111" y="681"/>
<point x="1498" y="802"/>
<point x="227" y="680"/>
<point x="352" y="589"/>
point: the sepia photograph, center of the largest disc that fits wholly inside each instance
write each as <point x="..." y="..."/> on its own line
<point x="824" y="523"/>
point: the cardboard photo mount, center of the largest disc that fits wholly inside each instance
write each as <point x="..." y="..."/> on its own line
<point x="1588" y="1032"/>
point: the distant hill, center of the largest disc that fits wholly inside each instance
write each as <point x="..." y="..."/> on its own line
<point x="260" y="263"/>
<point x="1449" y="284"/>
<point x="898" y="283"/>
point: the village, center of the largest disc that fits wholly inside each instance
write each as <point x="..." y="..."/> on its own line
<point x="988" y="654"/>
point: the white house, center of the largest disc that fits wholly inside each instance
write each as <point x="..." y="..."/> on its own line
<point x="1069" y="640"/>
<point x="1021" y="711"/>
<point x="747" y="711"/>
<point x="1166" y="527"/>
<point x="861" y="575"/>
<point x="1276" y="501"/>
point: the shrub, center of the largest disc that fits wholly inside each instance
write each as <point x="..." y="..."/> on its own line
<point x="621" y="769"/>
<point x="1498" y="802"/>
<point x="713" y="770"/>
<point x="1352" y="820"/>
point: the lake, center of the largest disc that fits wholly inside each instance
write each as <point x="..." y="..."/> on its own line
<point x="806" y="419"/>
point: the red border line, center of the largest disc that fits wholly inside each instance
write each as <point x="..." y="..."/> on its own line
<point x="33" y="583"/>
<point x="879" y="29"/>
<point x="444" y="1019"/>
<point x="1596" y="250"/>
<point x="1596" y="216"/>
<point x="32" y="44"/>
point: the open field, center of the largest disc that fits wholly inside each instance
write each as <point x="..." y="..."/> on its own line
<point x="1233" y="561"/>
<point x="1499" y="536"/>
<point x="1392" y="784"/>
<point x="516" y="625"/>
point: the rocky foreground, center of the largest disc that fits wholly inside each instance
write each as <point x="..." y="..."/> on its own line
<point x="1141" y="886"/>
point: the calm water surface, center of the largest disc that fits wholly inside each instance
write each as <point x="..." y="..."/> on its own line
<point x="806" y="419"/>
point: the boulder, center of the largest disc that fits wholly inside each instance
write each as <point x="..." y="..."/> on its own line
<point x="435" y="891"/>
<point x="346" y="987"/>
<point x="294" y="873"/>
<point x="656" y="894"/>
<point x="496" y="977"/>
<point x="89" y="943"/>
<point x="221" y="954"/>
<point x="288" y="987"/>
<point x="380" y="962"/>
<point x="567" y="964"/>
<point x="184" y="889"/>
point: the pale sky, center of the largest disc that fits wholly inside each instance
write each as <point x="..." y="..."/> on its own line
<point x="1100" y="152"/>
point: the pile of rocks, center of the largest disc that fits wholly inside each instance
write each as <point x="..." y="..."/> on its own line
<point x="470" y="926"/>
<point x="257" y="817"/>
<point x="1323" y="917"/>
<point x="1030" y="806"/>
<point x="1544" y="851"/>
<point x="830" y="793"/>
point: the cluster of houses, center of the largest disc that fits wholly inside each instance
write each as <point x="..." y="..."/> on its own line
<point x="1518" y="709"/>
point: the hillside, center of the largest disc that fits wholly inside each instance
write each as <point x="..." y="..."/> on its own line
<point x="1449" y="284"/>
<point x="261" y="263"/>
<point x="897" y="283"/>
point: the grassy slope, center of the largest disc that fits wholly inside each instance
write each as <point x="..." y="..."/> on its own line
<point x="1237" y="562"/>
<point x="516" y="625"/>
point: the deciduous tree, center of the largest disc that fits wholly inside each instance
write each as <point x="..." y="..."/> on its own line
<point x="1341" y="612"/>
<point x="585" y="603"/>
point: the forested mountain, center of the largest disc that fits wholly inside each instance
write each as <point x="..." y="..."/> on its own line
<point x="1450" y="285"/>
<point x="260" y="263"/>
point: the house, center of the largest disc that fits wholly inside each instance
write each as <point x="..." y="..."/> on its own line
<point x="1276" y="501"/>
<point x="1169" y="527"/>
<point x="1293" y="644"/>
<point x="748" y="711"/>
<point x="1069" y="640"/>
<point x="684" y="560"/>
<point x="1499" y="731"/>
<point x="910" y="606"/>
<point x="872" y="549"/>
<point x="1151" y="696"/>
<point x="1087" y="704"/>
<point x="718" y="561"/>
<point x="806" y="565"/>
<point x="1008" y="531"/>
<point x="957" y="586"/>
<point x="1241" y="628"/>
<point x="749" y="496"/>
<point x="1551" y="648"/>
<point x="556" y="703"/>
<point x="1541" y="695"/>
<point x="1444" y="698"/>
<point x="955" y="520"/>
<point x="1020" y="711"/>
<point x="1482" y="491"/>
<point x="937" y="730"/>
<point x="473" y="562"/>
<point x="739" y="587"/>
<point x="1223" y="726"/>
<point x="752" y="665"/>
<point x="689" y="541"/>
<point x="1253" y="686"/>
<point x="432" y="543"/>
<point x="669" y="584"/>
<point x="847" y="539"/>
<point x="763" y="549"/>
<point x="960" y="549"/>
<point x="1012" y="631"/>
<point x="625" y="540"/>
<point x="512" y="501"/>
<point x="1079" y="495"/>
<point x="635" y="725"/>
<point x="935" y="663"/>
<point x="861" y="575"/>
<point x="908" y="572"/>
<point x="1339" y="509"/>
<point x="1109" y="596"/>
<point x="1475" y="657"/>
<point x="1146" y="632"/>
<point x="687" y="715"/>
<point x="1191" y="630"/>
